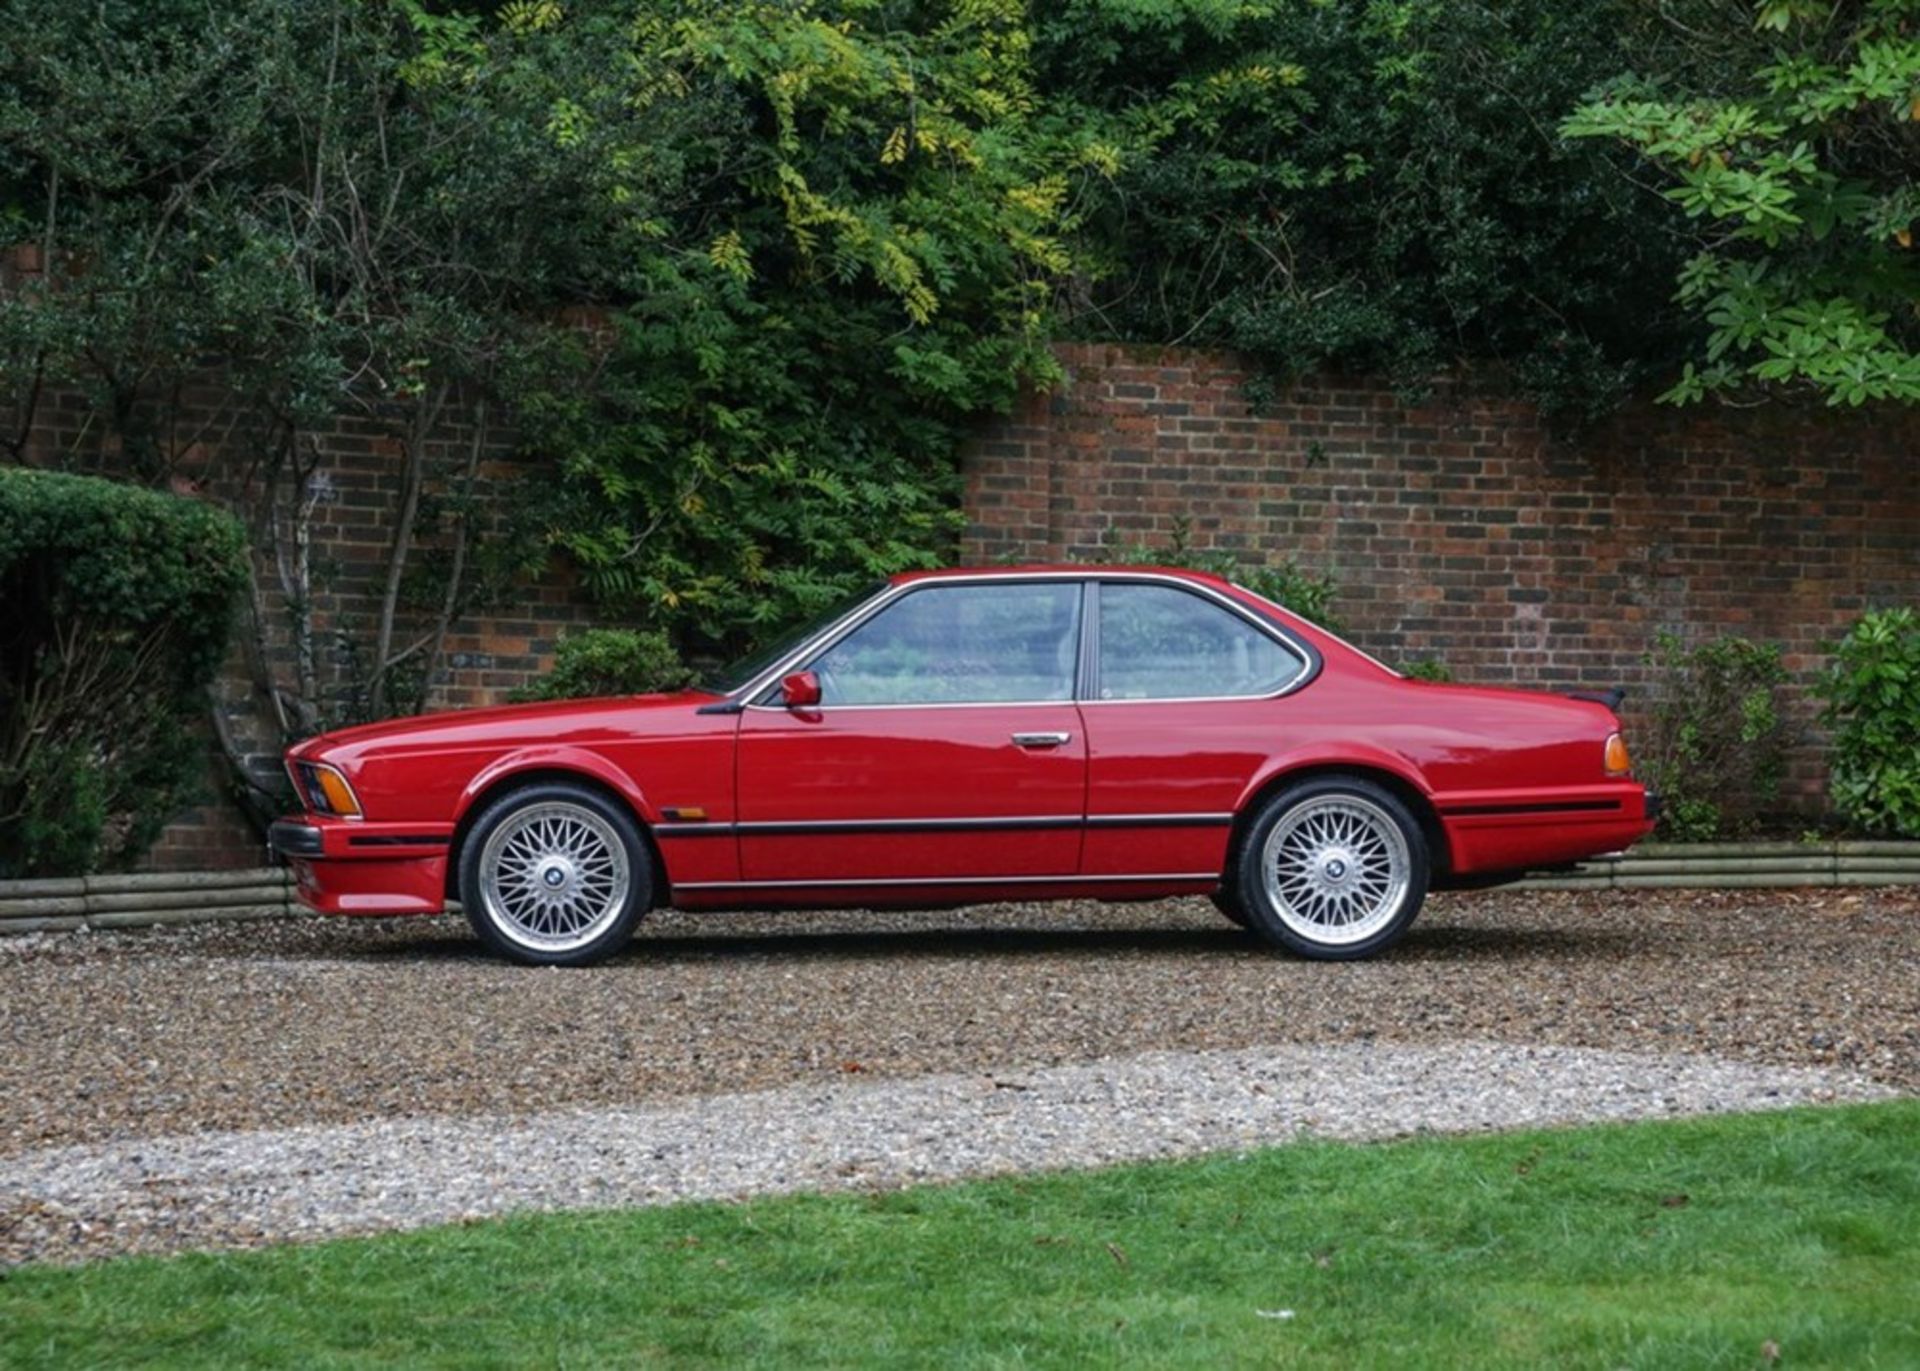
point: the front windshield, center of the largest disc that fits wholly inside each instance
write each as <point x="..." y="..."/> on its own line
<point x="727" y="679"/>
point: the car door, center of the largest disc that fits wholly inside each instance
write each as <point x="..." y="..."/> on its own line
<point x="946" y="744"/>
<point x="1180" y="716"/>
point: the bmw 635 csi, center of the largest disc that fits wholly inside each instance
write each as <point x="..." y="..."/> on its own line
<point x="955" y="737"/>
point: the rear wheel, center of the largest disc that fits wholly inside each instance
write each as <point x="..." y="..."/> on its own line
<point x="555" y="874"/>
<point x="1333" y="869"/>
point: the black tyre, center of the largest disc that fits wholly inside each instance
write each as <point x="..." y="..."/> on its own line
<point x="1334" y="869"/>
<point x="1227" y="900"/>
<point x="555" y="874"/>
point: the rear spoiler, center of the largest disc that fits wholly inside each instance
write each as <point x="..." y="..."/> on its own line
<point x="1610" y="698"/>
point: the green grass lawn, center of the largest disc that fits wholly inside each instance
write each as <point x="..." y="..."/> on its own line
<point x="1690" y="1244"/>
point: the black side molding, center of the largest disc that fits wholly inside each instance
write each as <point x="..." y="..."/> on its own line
<point x="1610" y="698"/>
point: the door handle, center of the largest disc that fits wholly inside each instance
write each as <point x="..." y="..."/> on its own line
<point x="1040" y="739"/>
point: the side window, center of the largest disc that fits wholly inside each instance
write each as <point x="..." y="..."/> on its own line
<point x="1160" y="643"/>
<point x="961" y="644"/>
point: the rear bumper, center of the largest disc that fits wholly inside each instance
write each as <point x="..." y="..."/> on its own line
<point x="342" y="866"/>
<point x="1505" y="833"/>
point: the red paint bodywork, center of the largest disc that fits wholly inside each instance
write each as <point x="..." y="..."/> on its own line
<point x="1139" y="801"/>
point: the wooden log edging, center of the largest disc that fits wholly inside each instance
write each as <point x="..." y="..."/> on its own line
<point x="123" y="900"/>
<point x="142" y="899"/>
<point x="1736" y="866"/>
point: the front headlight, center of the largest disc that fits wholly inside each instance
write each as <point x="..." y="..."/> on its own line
<point x="325" y="790"/>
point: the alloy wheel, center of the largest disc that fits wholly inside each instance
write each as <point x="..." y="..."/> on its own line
<point x="1336" y="869"/>
<point x="554" y="876"/>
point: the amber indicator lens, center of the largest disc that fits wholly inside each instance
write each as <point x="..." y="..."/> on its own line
<point x="1617" y="761"/>
<point x="338" y="794"/>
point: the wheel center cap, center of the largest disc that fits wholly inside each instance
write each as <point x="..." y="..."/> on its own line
<point x="554" y="874"/>
<point x="1336" y="866"/>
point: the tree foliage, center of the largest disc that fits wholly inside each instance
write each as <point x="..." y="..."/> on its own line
<point x="862" y="261"/>
<point x="741" y="277"/>
<point x="1793" y="155"/>
<point x="1872" y="694"/>
<point x="1374" y="188"/>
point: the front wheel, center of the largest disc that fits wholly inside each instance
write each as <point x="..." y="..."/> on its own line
<point x="554" y="875"/>
<point x="1333" y="869"/>
<point x="1227" y="901"/>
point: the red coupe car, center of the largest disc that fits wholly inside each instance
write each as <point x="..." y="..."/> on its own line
<point x="954" y="737"/>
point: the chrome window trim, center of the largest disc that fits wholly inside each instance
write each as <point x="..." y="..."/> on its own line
<point x="834" y="632"/>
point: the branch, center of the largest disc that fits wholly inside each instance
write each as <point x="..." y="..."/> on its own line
<point x="425" y="415"/>
<point x="450" y="602"/>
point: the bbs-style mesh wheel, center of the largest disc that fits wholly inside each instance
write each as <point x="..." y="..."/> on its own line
<point x="1334" y="868"/>
<point x="555" y="874"/>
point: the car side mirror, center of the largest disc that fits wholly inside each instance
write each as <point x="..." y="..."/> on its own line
<point x="800" y="690"/>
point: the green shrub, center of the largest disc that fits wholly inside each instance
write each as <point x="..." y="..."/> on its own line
<point x="1872" y="694"/>
<point x="1716" y="749"/>
<point x="609" y="661"/>
<point x="115" y="606"/>
<point x="1427" y="669"/>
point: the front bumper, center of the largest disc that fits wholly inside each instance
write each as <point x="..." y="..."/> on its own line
<point x="346" y="866"/>
<point x="292" y="838"/>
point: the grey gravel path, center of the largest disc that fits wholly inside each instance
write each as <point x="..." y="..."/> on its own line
<point x="244" y="1188"/>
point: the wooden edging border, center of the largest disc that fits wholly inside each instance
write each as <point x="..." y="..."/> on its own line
<point x="135" y="900"/>
<point x="1736" y="866"/>
<point x="179" y="897"/>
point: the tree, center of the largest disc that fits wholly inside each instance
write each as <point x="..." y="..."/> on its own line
<point x="1375" y="188"/>
<point x="280" y="206"/>
<point x="795" y="353"/>
<point x="1798" y="175"/>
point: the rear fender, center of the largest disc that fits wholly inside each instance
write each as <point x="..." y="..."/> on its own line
<point x="1324" y="757"/>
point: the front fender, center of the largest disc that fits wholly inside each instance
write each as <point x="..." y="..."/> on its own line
<point x="555" y="757"/>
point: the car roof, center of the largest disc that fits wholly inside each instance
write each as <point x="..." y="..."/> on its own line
<point x="1080" y="569"/>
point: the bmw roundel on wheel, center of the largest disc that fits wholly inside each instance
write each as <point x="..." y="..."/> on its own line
<point x="955" y="737"/>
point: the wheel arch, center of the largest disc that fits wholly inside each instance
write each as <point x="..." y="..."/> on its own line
<point x="498" y="781"/>
<point x="1407" y="791"/>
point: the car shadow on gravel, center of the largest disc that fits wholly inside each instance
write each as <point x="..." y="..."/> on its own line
<point x="1457" y="943"/>
<point x="855" y="945"/>
<point x="1443" y="943"/>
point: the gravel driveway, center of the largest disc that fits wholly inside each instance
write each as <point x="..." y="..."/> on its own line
<point x="271" y="1025"/>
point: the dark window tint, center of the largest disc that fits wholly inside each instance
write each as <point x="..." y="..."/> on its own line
<point x="1160" y="643"/>
<point x="960" y="644"/>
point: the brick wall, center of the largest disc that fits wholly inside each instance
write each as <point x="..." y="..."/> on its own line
<point x="1459" y="528"/>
